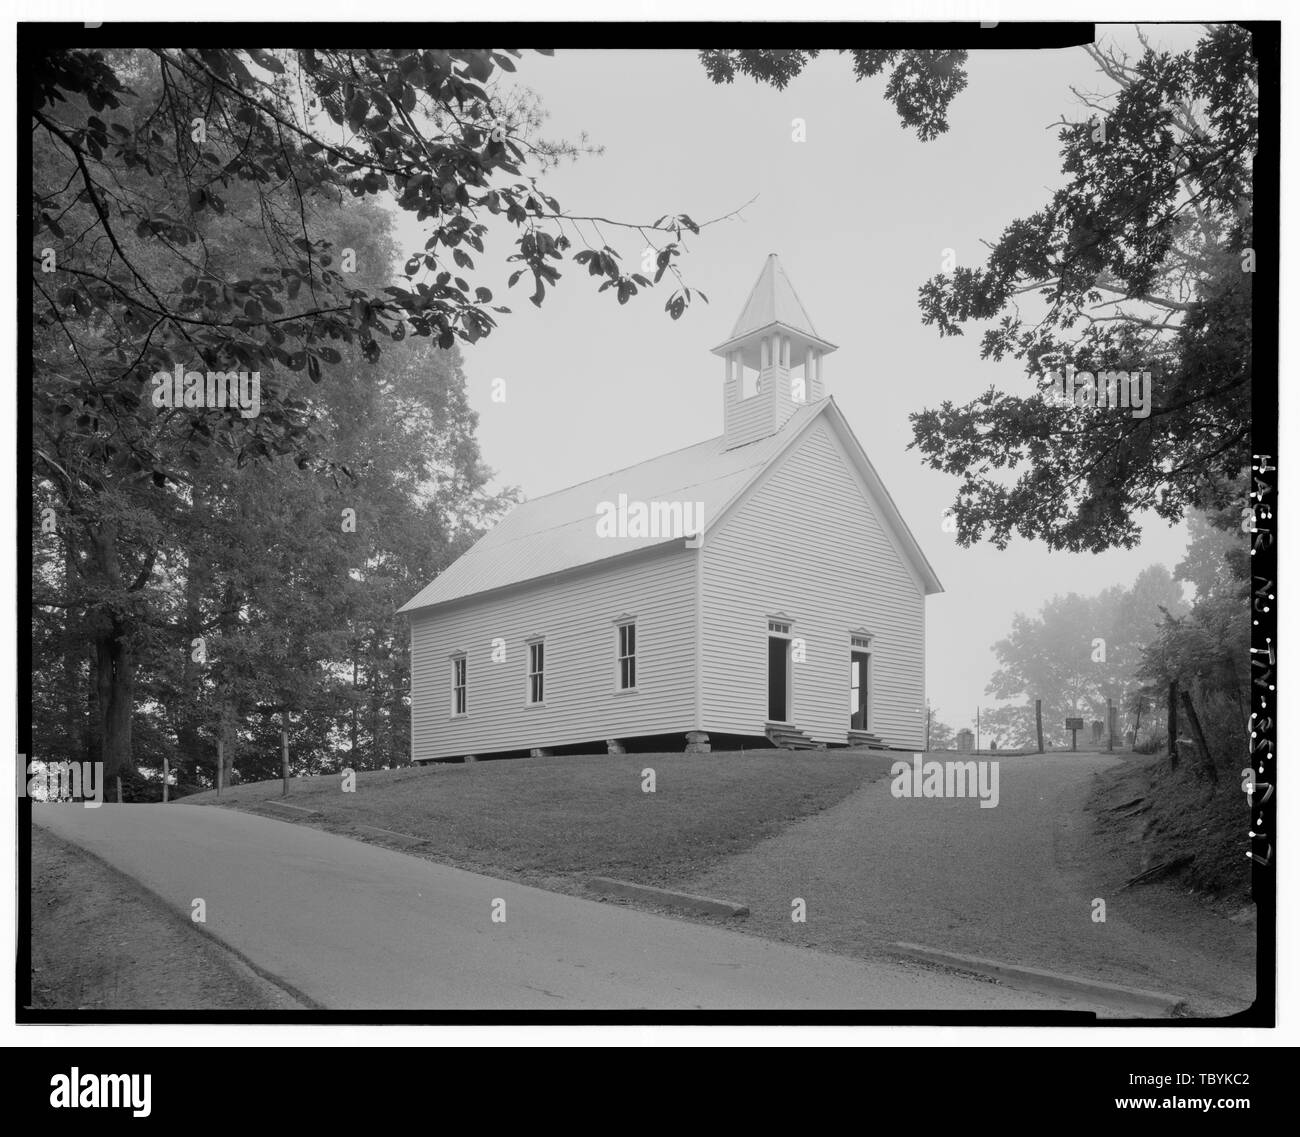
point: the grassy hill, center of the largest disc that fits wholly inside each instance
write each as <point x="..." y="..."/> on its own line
<point x="553" y="821"/>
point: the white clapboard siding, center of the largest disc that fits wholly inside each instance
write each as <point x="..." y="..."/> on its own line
<point x="576" y="615"/>
<point x="808" y="543"/>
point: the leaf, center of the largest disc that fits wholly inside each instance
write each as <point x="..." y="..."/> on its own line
<point x="265" y="59"/>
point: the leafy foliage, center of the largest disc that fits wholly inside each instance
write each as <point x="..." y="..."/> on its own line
<point x="1141" y="262"/>
<point x="225" y="249"/>
<point x="1206" y="651"/>
<point x="921" y="86"/>
<point x="1077" y="652"/>
<point x="260" y="137"/>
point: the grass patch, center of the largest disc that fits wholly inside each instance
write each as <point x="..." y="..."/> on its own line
<point x="553" y="821"/>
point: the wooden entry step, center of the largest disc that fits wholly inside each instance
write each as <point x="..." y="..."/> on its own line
<point x="865" y="739"/>
<point x="786" y="737"/>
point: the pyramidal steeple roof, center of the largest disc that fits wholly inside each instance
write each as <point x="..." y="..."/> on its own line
<point x="773" y="300"/>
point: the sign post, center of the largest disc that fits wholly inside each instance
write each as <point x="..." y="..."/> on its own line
<point x="1074" y="726"/>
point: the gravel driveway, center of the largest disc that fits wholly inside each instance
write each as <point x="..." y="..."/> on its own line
<point x="1014" y="883"/>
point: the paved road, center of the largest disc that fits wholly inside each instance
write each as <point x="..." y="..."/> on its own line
<point x="355" y="926"/>
<point x="1013" y="883"/>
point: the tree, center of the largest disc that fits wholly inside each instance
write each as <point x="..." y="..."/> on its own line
<point x="294" y="127"/>
<point x="941" y="735"/>
<point x="1011" y="727"/>
<point x="1079" y="651"/>
<point x="1140" y="264"/>
<point x="187" y="209"/>
<point x="1206" y="650"/>
<point x="922" y="84"/>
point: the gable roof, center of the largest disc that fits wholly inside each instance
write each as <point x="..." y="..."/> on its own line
<point x="557" y="532"/>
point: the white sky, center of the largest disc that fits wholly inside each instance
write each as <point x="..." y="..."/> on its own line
<point x="860" y="214"/>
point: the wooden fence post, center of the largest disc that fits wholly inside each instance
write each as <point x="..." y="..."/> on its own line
<point x="1110" y="724"/>
<point x="284" y="761"/>
<point x="166" y="775"/>
<point x="221" y="764"/>
<point x="1038" y="719"/>
<point x="1173" y="725"/>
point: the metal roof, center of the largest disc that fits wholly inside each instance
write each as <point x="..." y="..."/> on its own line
<point x="557" y="532"/>
<point x="772" y="304"/>
<point x="773" y="300"/>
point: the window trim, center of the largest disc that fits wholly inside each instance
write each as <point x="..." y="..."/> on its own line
<point x="459" y="662"/>
<point x="868" y="668"/>
<point x="620" y="658"/>
<point x="529" y="673"/>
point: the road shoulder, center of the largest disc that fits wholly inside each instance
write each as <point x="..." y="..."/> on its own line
<point x="133" y="951"/>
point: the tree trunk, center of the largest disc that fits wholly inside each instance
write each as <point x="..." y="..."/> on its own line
<point x="94" y="729"/>
<point x="1173" y="725"/>
<point x="188" y="713"/>
<point x="1038" y="722"/>
<point x="1206" y="757"/>
<point x="376" y="747"/>
<point x="114" y="679"/>
<point x="73" y="653"/>
<point x="353" y="757"/>
<point x="284" y="755"/>
<point x="399" y="725"/>
<point x="114" y="661"/>
<point x="226" y="748"/>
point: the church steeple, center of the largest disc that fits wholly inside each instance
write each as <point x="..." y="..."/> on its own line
<point x="773" y="359"/>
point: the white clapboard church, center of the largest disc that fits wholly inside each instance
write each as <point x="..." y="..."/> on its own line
<point x="759" y="587"/>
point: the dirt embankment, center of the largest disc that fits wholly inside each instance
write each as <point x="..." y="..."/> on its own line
<point x="1177" y="828"/>
<point x="100" y="941"/>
